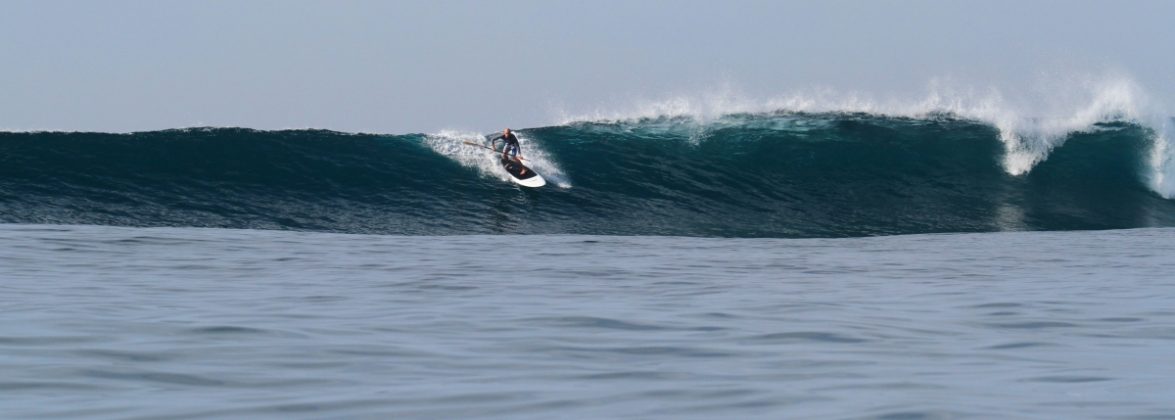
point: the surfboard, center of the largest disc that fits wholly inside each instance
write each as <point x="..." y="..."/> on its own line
<point x="523" y="175"/>
<point x="519" y="173"/>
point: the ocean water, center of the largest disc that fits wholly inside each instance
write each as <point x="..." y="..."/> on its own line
<point x="773" y="175"/>
<point x="182" y="322"/>
<point x="951" y="260"/>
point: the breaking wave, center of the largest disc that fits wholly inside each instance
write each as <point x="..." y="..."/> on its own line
<point x="764" y="174"/>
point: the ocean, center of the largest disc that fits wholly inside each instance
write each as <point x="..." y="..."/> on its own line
<point x="768" y="265"/>
<point x="765" y="175"/>
<point x="118" y="322"/>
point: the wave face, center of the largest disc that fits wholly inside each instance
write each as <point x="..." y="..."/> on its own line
<point x="750" y="175"/>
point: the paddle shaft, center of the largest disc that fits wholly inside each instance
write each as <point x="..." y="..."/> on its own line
<point x="489" y="148"/>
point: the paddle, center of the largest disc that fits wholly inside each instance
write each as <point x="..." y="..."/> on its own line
<point x="489" y="148"/>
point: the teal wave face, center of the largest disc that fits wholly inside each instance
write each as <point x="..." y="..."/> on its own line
<point x="825" y="175"/>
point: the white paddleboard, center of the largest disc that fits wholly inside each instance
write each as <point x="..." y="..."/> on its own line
<point x="522" y="175"/>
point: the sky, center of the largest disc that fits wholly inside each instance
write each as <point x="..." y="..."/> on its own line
<point x="422" y="66"/>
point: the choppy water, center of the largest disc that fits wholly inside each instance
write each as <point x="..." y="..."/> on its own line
<point x="110" y="322"/>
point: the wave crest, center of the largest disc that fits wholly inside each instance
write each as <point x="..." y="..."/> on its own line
<point x="1032" y="122"/>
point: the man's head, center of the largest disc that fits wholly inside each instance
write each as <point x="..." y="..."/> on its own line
<point x="506" y="132"/>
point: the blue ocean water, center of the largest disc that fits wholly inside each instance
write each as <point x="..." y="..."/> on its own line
<point x="177" y="322"/>
<point x="764" y="175"/>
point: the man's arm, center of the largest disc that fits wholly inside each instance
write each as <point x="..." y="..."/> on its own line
<point x="493" y="142"/>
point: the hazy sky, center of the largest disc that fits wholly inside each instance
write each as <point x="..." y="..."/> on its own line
<point x="401" y="66"/>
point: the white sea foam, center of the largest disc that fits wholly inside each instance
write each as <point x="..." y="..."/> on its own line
<point x="1162" y="160"/>
<point x="1031" y="121"/>
<point x="451" y="143"/>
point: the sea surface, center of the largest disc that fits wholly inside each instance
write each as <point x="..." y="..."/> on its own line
<point x="940" y="263"/>
<point x="183" y="322"/>
<point x="771" y="175"/>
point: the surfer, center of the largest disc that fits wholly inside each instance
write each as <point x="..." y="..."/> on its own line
<point x="510" y="148"/>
